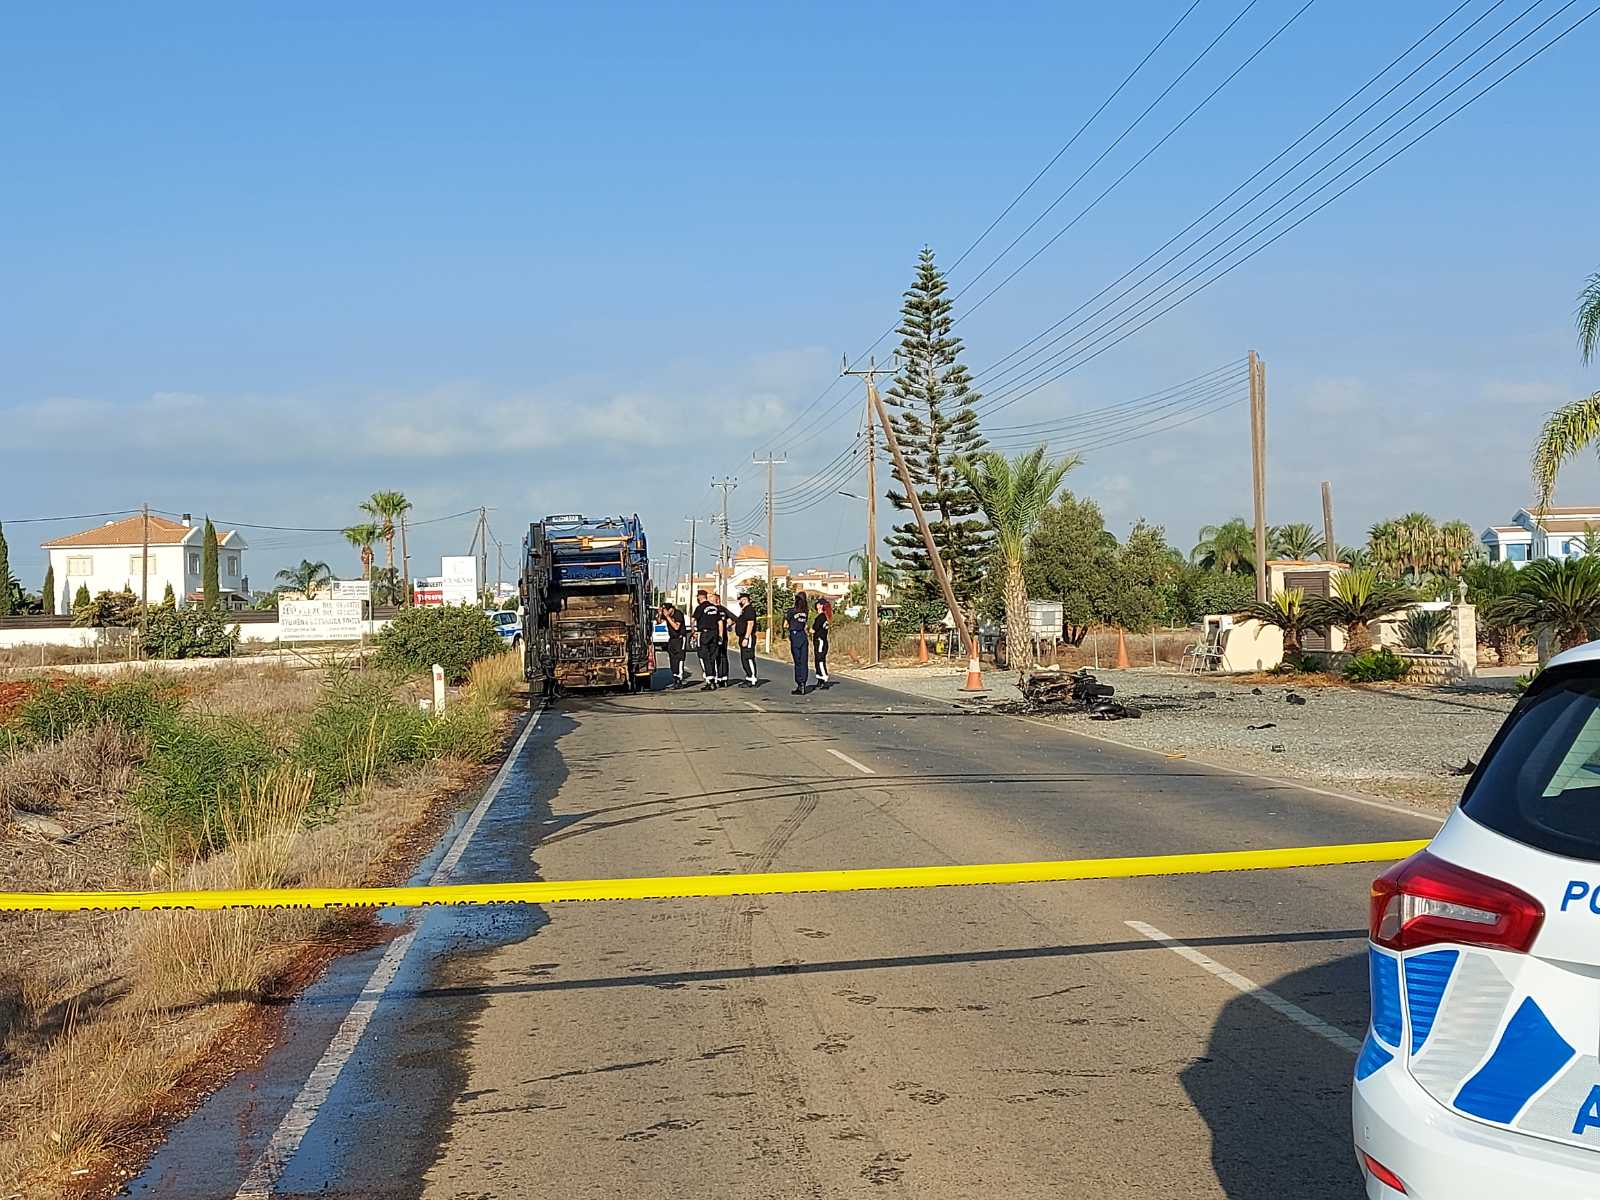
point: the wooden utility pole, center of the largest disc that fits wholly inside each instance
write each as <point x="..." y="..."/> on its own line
<point x="974" y="668"/>
<point x="769" y="460"/>
<point x="693" y="524"/>
<point x="1258" y="465"/>
<point x="1330" y="548"/>
<point x="871" y="376"/>
<point x="144" y="578"/>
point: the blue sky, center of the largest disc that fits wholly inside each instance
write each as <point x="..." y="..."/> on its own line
<point x="262" y="260"/>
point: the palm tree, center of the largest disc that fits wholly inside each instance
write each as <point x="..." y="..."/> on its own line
<point x="888" y="573"/>
<point x="1424" y="629"/>
<point x="306" y="578"/>
<point x="1229" y="547"/>
<point x="1355" y="556"/>
<point x="1288" y="611"/>
<point x="1576" y="426"/>
<point x="1013" y="494"/>
<point x="387" y="507"/>
<point x="1296" y="540"/>
<point x="1561" y="596"/>
<point x="363" y="537"/>
<point x="1458" y="545"/>
<point x="1359" y="598"/>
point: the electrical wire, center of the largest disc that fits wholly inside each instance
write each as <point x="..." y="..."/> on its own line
<point x="126" y="512"/>
<point x="1133" y="324"/>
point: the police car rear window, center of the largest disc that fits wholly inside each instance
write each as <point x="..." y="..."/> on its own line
<point x="1541" y="781"/>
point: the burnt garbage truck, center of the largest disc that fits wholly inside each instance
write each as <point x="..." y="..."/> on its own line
<point x="586" y="596"/>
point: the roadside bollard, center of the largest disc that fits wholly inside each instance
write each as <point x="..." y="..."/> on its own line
<point x="438" y="688"/>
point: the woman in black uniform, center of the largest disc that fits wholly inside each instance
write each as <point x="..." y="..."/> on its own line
<point x="798" y="647"/>
<point x="819" y="640"/>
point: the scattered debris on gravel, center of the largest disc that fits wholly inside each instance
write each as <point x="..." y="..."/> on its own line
<point x="1079" y="692"/>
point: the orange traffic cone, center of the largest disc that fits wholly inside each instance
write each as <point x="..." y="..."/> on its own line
<point x="974" y="674"/>
<point x="922" y="645"/>
<point x="1122" y="651"/>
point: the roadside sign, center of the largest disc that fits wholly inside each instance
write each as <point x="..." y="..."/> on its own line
<point x="352" y="589"/>
<point x="320" y="620"/>
<point x="459" y="579"/>
<point x="438" y="688"/>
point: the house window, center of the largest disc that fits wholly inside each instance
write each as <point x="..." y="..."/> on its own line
<point x="233" y="566"/>
<point x="135" y="564"/>
<point x="1566" y="548"/>
<point x="80" y="564"/>
<point x="194" y="564"/>
<point x="1494" y="552"/>
<point x="1516" y="553"/>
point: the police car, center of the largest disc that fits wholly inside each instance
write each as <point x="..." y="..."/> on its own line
<point x="1480" y="1074"/>
<point x="509" y="626"/>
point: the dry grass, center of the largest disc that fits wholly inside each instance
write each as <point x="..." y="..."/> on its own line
<point x="496" y="682"/>
<point x="93" y="767"/>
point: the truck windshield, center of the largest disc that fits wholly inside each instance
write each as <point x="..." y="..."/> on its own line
<point x="1541" y="782"/>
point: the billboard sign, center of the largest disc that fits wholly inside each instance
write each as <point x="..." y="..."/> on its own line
<point x="459" y="578"/>
<point x="319" y="620"/>
<point x="428" y="593"/>
<point x="352" y="589"/>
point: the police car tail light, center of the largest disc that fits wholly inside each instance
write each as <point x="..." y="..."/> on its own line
<point x="1381" y="1173"/>
<point x="1426" y="900"/>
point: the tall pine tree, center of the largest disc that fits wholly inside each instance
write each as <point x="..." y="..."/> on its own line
<point x="932" y="409"/>
<point x="208" y="566"/>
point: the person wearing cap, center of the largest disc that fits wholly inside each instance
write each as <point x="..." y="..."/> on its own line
<point x="799" y="648"/>
<point x="726" y="628"/>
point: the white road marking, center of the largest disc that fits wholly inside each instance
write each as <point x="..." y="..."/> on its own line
<point x="752" y="704"/>
<point x="1254" y="990"/>
<point x="291" y="1131"/>
<point x="842" y="757"/>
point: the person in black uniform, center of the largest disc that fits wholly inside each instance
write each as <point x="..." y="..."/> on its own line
<point x="819" y="640"/>
<point x="798" y="647"/>
<point x="707" y="628"/>
<point x="677" y="636"/>
<point x="728" y="618"/>
<point x="744" y="627"/>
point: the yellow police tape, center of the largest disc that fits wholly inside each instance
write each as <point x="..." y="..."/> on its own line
<point x="674" y="887"/>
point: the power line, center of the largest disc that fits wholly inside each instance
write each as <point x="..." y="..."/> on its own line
<point x="123" y="512"/>
<point x="988" y="373"/>
<point x="1056" y="157"/>
<point x="1124" y="331"/>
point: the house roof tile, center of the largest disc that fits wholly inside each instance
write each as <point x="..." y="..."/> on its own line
<point x="130" y="532"/>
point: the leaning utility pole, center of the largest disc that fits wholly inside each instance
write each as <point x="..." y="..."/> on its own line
<point x="144" y="579"/>
<point x="871" y="376"/>
<point x="974" y="667"/>
<point x="1258" y="465"/>
<point x="727" y="485"/>
<point x="693" y="522"/>
<point x="405" y="559"/>
<point x="482" y="539"/>
<point x="1330" y="548"/>
<point x="769" y="461"/>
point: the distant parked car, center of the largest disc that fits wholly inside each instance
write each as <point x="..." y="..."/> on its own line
<point x="509" y="626"/>
<point x="1479" y="1077"/>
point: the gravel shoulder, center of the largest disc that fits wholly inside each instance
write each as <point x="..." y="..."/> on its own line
<point x="1395" y="743"/>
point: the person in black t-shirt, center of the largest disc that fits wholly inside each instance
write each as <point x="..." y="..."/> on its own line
<point x="744" y="627"/>
<point x="798" y="648"/>
<point x="677" y="636"/>
<point x="819" y="640"/>
<point x="708" y="629"/>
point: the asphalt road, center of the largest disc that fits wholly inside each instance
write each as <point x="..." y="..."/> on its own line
<point x="1033" y="1040"/>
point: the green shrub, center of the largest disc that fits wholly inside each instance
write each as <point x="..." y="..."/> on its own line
<point x="136" y="702"/>
<point x="1382" y="665"/>
<point x="106" y="609"/>
<point x="192" y="632"/>
<point x="454" y="636"/>
<point x="1425" y="628"/>
<point x="1296" y="664"/>
<point x="193" y="778"/>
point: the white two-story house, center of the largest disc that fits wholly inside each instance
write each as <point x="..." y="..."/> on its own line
<point x="110" y="558"/>
<point x="1562" y="532"/>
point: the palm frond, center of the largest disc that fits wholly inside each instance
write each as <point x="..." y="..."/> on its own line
<point x="1588" y="317"/>
<point x="1567" y="432"/>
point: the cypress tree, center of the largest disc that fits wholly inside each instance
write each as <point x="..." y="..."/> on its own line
<point x="168" y="600"/>
<point x="932" y="409"/>
<point x="208" y="567"/>
<point x="5" y="576"/>
<point x="81" y="597"/>
<point x="48" y="592"/>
